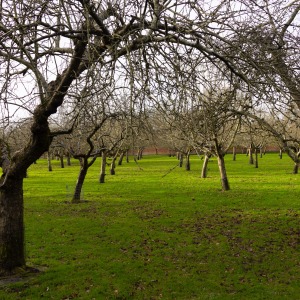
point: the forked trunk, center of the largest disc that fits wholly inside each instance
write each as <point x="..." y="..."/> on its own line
<point x="78" y="188"/>
<point x="12" y="253"/>
<point x="204" y="166"/>
<point x="222" y="169"/>
<point x="103" y="167"/>
<point x="140" y="153"/>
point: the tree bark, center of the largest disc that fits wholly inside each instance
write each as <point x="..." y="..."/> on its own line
<point x="113" y="165"/>
<point x="295" y="156"/>
<point x="103" y="167"/>
<point x="221" y="164"/>
<point x="49" y="161"/>
<point x="234" y="154"/>
<point x="251" y="160"/>
<point x="81" y="177"/>
<point x="188" y="163"/>
<point x="296" y="167"/>
<point x="256" y="158"/>
<point x="140" y="153"/>
<point x="61" y="158"/>
<point x="12" y="251"/>
<point x="204" y="166"/>
<point x="68" y="159"/>
<point x="180" y="160"/>
<point x="280" y="154"/>
<point x="121" y="158"/>
<point x="223" y="174"/>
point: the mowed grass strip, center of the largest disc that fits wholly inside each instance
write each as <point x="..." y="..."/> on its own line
<point x="152" y="233"/>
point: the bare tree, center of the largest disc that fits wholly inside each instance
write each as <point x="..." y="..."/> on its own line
<point x="221" y="127"/>
<point x="110" y="141"/>
<point x="283" y="127"/>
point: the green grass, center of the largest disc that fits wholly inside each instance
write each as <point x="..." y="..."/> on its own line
<point x="143" y="235"/>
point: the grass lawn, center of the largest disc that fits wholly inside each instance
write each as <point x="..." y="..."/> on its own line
<point x="144" y="235"/>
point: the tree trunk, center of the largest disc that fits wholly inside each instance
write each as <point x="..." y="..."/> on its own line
<point x="204" y="166"/>
<point x="82" y="174"/>
<point x="127" y="156"/>
<point x="12" y="251"/>
<point x="68" y="159"/>
<point x="188" y="163"/>
<point x="113" y="166"/>
<point x="121" y="158"/>
<point x="49" y="161"/>
<point x="180" y="160"/>
<point x="140" y="153"/>
<point x="222" y="169"/>
<point x="261" y="152"/>
<point x="234" y="154"/>
<point x="251" y="160"/>
<point x="256" y="158"/>
<point x="280" y="153"/>
<point x="296" y="167"/>
<point x="103" y="167"/>
<point x="61" y="157"/>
